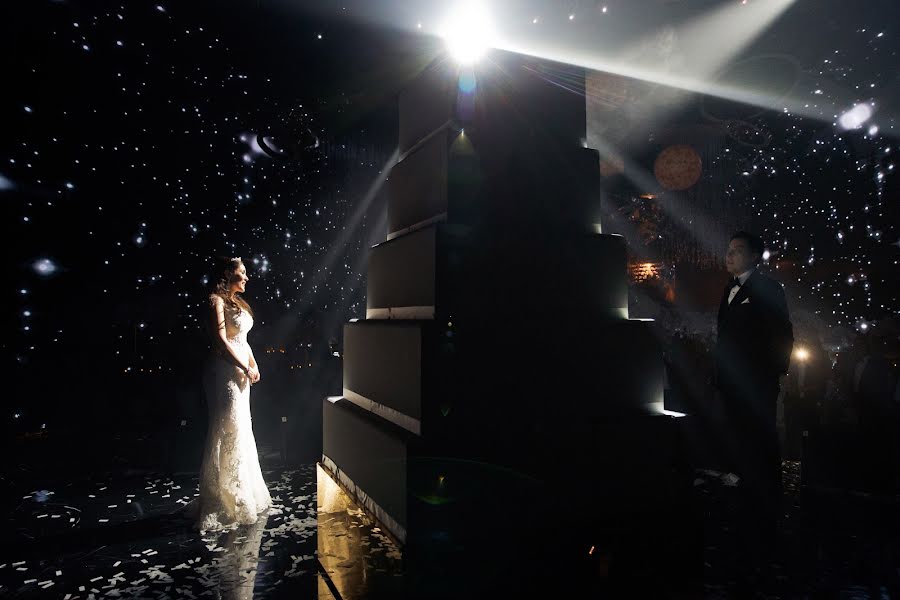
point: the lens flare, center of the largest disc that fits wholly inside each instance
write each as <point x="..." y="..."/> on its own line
<point x="468" y="33"/>
<point x="856" y="116"/>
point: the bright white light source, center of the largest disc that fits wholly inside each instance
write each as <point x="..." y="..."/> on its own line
<point x="45" y="267"/>
<point x="801" y="354"/>
<point x="766" y="255"/>
<point x="856" y="116"/>
<point x="468" y="33"/>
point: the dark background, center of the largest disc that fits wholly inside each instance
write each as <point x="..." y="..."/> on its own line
<point x="127" y="161"/>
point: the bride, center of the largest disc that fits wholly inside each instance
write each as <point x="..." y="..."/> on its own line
<point x="232" y="489"/>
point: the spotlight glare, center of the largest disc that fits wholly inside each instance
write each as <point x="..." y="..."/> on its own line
<point x="856" y="116"/>
<point x="468" y="33"/>
<point x="45" y="267"/>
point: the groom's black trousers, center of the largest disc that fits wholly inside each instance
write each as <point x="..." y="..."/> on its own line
<point x="754" y="454"/>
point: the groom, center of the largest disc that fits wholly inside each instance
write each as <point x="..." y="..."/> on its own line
<point x="753" y="349"/>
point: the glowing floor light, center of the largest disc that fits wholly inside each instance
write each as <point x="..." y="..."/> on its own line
<point x="468" y="33"/>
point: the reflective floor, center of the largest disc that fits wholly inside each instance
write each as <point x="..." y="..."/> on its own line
<point x="124" y="536"/>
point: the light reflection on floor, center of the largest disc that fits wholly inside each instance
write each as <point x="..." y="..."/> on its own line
<point x="359" y="559"/>
<point x="122" y="536"/>
<point x="125" y="537"/>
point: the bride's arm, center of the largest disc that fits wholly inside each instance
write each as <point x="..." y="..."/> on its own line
<point x="220" y="339"/>
<point x="254" y="368"/>
<point x="253" y="364"/>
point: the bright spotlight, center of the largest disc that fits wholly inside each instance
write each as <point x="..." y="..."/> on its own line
<point x="856" y="116"/>
<point x="468" y="33"/>
<point x="801" y="354"/>
<point x="45" y="267"/>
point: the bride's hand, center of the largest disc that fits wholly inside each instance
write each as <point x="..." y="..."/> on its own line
<point x="253" y="374"/>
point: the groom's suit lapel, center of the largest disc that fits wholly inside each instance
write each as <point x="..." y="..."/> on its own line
<point x="743" y="292"/>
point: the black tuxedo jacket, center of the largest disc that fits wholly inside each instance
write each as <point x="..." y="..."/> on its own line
<point x="755" y="335"/>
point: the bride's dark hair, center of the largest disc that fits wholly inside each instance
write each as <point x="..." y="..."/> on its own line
<point x="223" y="269"/>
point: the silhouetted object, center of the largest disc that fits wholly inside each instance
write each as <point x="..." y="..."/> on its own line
<point x="873" y="394"/>
<point x="497" y="361"/>
<point x="755" y="337"/>
<point x="690" y="371"/>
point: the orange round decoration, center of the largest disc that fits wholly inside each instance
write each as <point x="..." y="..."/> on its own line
<point x="678" y="167"/>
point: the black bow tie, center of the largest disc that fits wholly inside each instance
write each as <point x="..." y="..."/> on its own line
<point x="734" y="282"/>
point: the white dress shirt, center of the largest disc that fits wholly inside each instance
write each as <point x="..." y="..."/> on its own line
<point x="743" y="277"/>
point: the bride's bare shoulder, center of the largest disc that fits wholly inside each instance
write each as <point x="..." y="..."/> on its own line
<point x="216" y="300"/>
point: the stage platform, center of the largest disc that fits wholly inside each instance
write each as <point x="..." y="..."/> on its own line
<point x="121" y="534"/>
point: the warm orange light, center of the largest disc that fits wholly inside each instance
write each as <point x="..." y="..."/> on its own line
<point x="643" y="271"/>
<point x="591" y="551"/>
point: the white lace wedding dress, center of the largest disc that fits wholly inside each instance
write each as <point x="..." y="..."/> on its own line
<point x="232" y="489"/>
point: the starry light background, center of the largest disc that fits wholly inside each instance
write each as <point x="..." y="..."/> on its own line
<point x="129" y="156"/>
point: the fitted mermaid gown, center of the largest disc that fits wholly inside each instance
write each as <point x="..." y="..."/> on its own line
<point x="232" y="489"/>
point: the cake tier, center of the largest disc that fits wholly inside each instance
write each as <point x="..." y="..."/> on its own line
<point x="420" y="492"/>
<point x="445" y="270"/>
<point x="509" y="94"/>
<point x="468" y="177"/>
<point x="451" y="379"/>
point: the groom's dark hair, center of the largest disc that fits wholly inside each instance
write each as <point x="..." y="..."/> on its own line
<point x="754" y="243"/>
